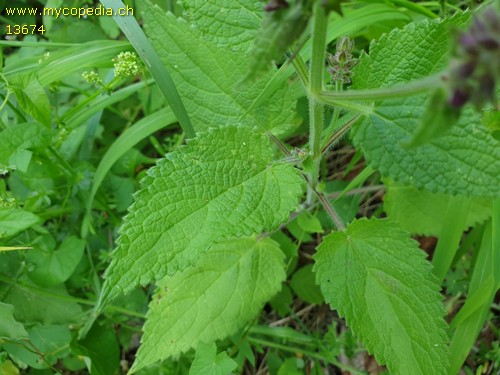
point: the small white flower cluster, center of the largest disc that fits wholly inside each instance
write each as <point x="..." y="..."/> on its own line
<point x="127" y="64"/>
<point x="8" y="202"/>
<point x="92" y="77"/>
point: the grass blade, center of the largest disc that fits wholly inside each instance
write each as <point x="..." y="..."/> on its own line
<point x="76" y="58"/>
<point x="450" y="236"/>
<point x="82" y="112"/>
<point x="356" y="182"/>
<point x="487" y="268"/>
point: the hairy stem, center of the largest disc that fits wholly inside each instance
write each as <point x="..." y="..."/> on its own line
<point x="315" y="86"/>
<point x="414" y="87"/>
<point x="331" y="211"/>
<point x="337" y="134"/>
<point x="316" y="79"/>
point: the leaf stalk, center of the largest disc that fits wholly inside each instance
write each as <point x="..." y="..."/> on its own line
<point x="414" y="87"/>
<point x="337" y="220"/>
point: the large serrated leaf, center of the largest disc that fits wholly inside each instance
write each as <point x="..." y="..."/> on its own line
<point x="206" y="77"/>
<point x="465" y="160"/>
<point x="222" y="184"/>
<point x="378" y="279"/>
<point x="230" y="24"/>
<point x="211" y="301"/>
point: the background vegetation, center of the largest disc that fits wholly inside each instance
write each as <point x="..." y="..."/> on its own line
<point x="80" y="126"/>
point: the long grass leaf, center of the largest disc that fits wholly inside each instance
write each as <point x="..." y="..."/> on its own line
<point x="70" y="60"/>
<point x="81" y="113"/>
<point x="474" y="302"/>
<point x="356" y="182"/>
<point x="450" y="236"/>
<point x="486" y="268"/>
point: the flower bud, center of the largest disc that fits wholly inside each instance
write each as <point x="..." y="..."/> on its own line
<point x="475" y="67"/>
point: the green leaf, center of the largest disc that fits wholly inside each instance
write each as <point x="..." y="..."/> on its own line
<point x="216" y="21"/>
<point x="10" y="263"/>
<point x="55" y="267"/>
<point x="9" y="327"/>
<point x="15" y="220"/>
<point x="282" y="301"/>
<point x="50" y="340"/>
<point x="208" y="362"/>
<point x="491" y="120"/>
<point x="16" y="139"/>
<point x="8" y="368"/>
<point x="32" y="98"/>
<point x="304" y="285"/>
<point x="378" y="279"/>
<point x="292" y="366"/>
<point x="464" y="160"/>
<point x="222" y="184"/>
<point x="298" y="232"/>
<point x="228" y="286"/>
<point x="101" y="347"/>
<point x="53" y="306"/>
<point x="422" y="212"/>
<point x="21" y="160"/>
<point x="122" y="189"/>
<point x="309" y="223"/>
<point x="206" y="75"/>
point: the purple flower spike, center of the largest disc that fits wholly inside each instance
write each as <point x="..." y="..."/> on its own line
<point x="458" y="98"/>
